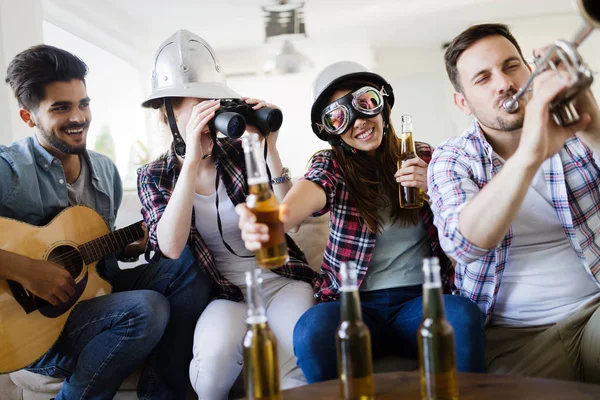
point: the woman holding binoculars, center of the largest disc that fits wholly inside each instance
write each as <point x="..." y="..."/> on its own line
<point x="188" y="197"/>
<point x="357" y="183"/>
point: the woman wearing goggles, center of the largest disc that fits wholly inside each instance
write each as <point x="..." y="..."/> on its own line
<point x="339" y="116"/>
<point x="357" y="183"/>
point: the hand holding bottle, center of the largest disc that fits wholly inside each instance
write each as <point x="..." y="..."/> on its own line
<point x="413" y="186"/>
<point x="263" y="204"/>
<point x="413" y="173"/>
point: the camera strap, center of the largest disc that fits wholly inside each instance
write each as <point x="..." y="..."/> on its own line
<point x="219" y="224"/>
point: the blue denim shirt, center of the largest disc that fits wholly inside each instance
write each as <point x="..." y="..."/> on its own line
<point x="33" y="187"/>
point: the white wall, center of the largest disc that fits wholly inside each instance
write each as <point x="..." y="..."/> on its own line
<point x="418" y="76"/>
<point x="20" y="27"/>
<point x="421" y="90"/>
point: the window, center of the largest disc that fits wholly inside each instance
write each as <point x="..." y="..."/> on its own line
<point x="118" y="128"/>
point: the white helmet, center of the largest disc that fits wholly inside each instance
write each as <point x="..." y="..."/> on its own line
<point x="186" y="66"/>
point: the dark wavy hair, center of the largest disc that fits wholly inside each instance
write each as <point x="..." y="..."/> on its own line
<point x="33" y="69"/>
<point x="469" y="37"/>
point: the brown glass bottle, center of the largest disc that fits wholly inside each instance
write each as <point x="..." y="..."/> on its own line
<point x="353" y="340"/>
<point x="437" y="359"/>
<point x="410" y="197"/>
<point x="261" y="367"/>
<point x="263" y="203"/>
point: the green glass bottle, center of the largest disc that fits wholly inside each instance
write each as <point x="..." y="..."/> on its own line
<point x="437" y="359"/>
<point x="261" y="368"/>
<point x="353" y="339"/>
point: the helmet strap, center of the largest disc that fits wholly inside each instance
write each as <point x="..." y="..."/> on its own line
<point x="337" y="141"/>
<point x="347" y="148"/>
<point x="178" y="142"/>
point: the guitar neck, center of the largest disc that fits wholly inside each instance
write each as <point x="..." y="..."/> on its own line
<point x="97" y="249"/>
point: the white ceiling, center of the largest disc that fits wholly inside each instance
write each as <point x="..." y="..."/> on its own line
<point x="134" y="28"/>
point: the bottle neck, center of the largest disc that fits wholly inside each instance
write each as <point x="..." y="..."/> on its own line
<point x="350" y="303"/>
<point x="433" y="302"/>
<point x="256" y="301"/>
<point x="255" y="163"/>
<point x="407" y="143"/>
<point x="262" y="191"/>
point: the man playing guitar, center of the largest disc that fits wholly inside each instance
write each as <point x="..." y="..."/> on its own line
<point x="105" y="338"/>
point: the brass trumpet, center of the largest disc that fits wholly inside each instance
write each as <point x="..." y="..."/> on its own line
<point x="563" y="52"/>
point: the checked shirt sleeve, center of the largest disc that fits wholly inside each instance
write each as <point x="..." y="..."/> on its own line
<point x="321" y="172"/>
<point x="450" y="188"/>
<point x="153" y="204"/>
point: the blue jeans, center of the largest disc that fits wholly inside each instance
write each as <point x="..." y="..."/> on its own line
<point x="149" y="318"/>
<point x="393" y="316"/>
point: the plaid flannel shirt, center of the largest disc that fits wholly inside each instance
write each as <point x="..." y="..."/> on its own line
<point x="463" y="165"/>
<point x="156" y="182"/>
<point x="349" y="238"/>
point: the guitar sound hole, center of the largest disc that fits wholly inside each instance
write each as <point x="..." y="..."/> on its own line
<point x="69" y="258"/>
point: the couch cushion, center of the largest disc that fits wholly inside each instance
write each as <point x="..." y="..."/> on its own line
<point x="36" y="382"/>
<point x="312" y="239"/>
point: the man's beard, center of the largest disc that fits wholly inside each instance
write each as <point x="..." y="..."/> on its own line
<point x="503" y="122"/>
<point x="61" y="145"/>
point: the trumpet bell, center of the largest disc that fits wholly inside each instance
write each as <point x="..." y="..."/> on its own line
<point x="590" y="11"/>
<point x="565" y="53"/>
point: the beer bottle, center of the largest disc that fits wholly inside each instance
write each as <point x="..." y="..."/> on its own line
<point x="437" y="360"/>
<point x="263" y="203"/>
<point x="261" y="368"/>
<point x="410" y="197"/>
<point x="353" y="339"/>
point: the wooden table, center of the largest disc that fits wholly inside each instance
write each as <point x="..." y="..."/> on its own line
<point x="405" y="386"/>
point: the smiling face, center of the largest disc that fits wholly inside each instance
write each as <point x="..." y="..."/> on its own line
<point x="62" y="118"/>
<point x="365" y="134"/>
<point x="490" y="71"/>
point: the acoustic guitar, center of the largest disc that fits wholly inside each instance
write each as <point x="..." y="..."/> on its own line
<point x="75" y="239"/>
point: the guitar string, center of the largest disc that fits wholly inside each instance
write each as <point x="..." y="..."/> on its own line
<point x="74" y="254"/>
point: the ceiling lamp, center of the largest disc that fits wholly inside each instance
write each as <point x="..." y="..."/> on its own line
<point x="285" y="21"/>
<point x="288" y="60"/>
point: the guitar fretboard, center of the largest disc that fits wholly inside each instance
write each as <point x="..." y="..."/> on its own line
<point x="96" y="249"/>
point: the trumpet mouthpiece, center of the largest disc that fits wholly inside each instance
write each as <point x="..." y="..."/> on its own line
<point x="511" y="105"/>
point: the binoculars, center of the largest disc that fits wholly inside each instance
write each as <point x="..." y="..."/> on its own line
<point x="233" y="115"/>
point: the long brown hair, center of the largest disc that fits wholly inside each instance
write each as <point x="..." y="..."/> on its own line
<point x="371" y="181"/>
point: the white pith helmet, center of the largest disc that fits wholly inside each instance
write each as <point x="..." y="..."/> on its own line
<point x="185" y="65"/>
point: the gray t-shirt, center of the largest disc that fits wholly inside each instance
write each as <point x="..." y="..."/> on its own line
<point x="398" y="255"/>
<point x="81" y="192"/>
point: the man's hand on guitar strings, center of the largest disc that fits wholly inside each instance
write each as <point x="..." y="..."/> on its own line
<point x="47" y="280"/>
